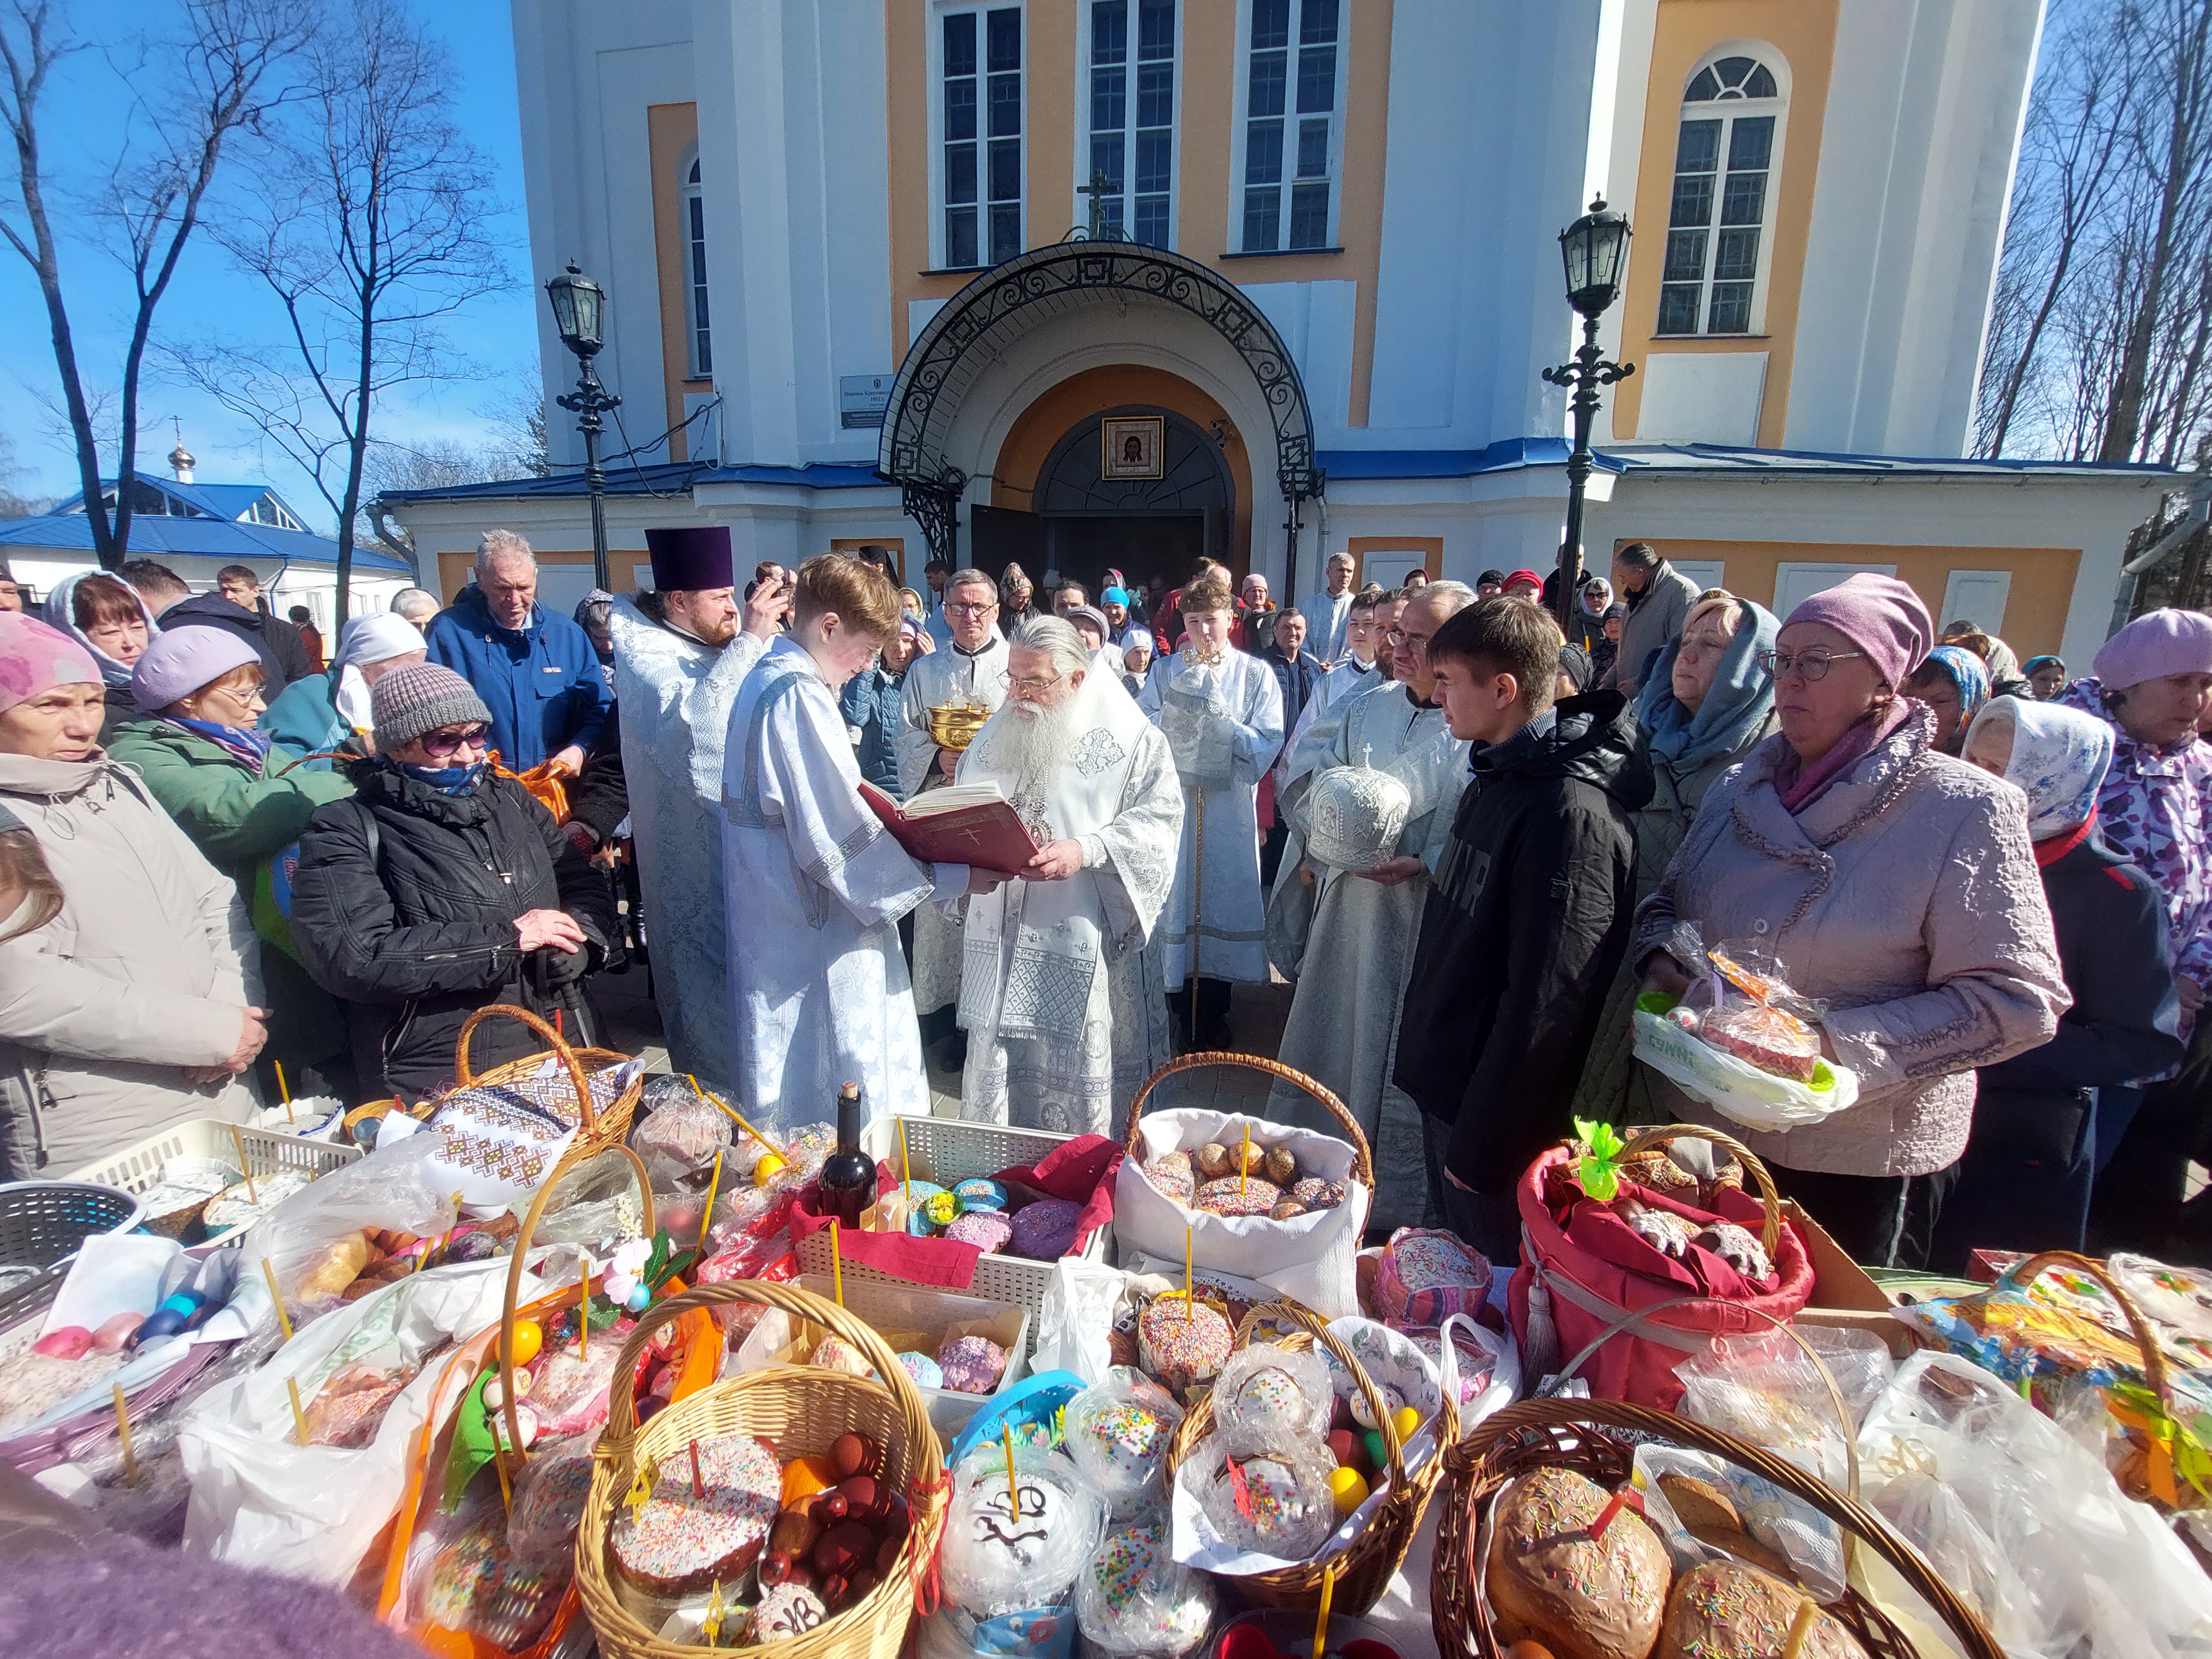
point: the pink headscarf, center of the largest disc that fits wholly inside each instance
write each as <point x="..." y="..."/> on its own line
<point x="34" y="657"/>
<point x="2154" y="645"/>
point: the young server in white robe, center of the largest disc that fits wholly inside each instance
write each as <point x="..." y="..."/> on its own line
<point x="1064" y="1007"/>
<point x="819" y="989"/>
<point x="1221" y="712"/>
<point x="680" y="659"/>
<point x="971" y="669"/>
<point x="1343" y="1027"/>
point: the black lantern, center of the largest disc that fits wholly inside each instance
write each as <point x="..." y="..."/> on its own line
<point x="1593" y="248"/>
<point x="578" y="304"/>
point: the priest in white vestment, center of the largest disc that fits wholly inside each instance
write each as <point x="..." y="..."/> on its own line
<point x="1064" y="1007"/>
<point x="819" y="989"/>
<point x="680" y="659"/>
<point x="1343" y="1026"/>
<point x="1221" y="712"/>
<point x="970" y="669"/>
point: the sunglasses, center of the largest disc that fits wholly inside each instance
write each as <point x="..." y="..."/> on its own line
<point x="444" y="743"/>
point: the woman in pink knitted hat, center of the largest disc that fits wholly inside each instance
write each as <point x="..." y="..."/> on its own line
<point x="1895" y="883"/>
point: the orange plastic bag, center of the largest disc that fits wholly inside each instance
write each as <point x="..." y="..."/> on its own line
<point x="543" y="782"/>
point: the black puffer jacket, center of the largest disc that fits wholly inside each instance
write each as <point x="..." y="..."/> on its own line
<point x="404" y="907"/>
<point x="1522" y="934"/>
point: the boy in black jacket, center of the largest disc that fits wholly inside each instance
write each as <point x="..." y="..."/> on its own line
<point x="1529" y="918"/>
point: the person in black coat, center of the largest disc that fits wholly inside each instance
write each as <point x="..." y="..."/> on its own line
<point x="1527" y="920"/>
<point x="2025" y="1181"/>
<point x="440" y="888"/>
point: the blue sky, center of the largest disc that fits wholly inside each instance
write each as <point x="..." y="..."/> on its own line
<point x="210" y="296"/>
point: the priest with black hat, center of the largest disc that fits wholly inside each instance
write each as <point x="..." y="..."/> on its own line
<point x="680" y="659"/>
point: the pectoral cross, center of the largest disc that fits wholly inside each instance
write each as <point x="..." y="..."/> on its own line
<point x="1097" y="190"/>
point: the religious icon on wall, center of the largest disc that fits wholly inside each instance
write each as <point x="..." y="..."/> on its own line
<point x="1131" y="445"/>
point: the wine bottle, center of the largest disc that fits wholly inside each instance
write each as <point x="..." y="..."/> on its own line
<point x="848" y="1175"/>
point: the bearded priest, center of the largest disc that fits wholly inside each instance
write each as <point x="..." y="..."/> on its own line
<point x="958" y="686"/>
<point x="680" y="659"/>
<point x="1221" y="712"/>
<point x="818" y="990"/>
<point x="1064" y="1007"/>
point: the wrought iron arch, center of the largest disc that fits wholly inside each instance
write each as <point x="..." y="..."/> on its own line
<point x="967" y="336"/>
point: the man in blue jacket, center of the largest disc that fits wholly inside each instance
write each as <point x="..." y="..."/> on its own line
<point x="536" y="671"/>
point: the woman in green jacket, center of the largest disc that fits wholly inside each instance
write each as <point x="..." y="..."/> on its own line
<point x="243" y="799"/>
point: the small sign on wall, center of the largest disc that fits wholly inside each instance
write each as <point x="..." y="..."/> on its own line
<point x="863" y="400"/>
<point x="1131" y="445"/>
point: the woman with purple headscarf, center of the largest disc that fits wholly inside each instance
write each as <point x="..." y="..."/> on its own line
<point x="1894" y="884"/>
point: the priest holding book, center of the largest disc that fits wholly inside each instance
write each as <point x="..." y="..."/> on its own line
<point x="1065" y="1009"/>
<point x="816" y="884"/>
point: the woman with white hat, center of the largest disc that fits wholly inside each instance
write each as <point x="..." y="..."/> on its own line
<point x="324" y="713"/>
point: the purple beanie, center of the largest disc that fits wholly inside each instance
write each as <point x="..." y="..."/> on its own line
<point x="2154" y="645"/>
<point x="179" y="661"/>
<point x="1881" y="615"/>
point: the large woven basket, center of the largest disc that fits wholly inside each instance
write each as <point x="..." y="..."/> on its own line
<point x="801" y="1409"/>
<point x="1363" y="1170"/>
<point x="597" y="1130"/>
<point x="1363" y="1568"/>
<point x="1537" y="1434"/>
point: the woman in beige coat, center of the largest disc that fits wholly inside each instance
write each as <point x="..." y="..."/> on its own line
<point x="129" y="1008"/>
<point x="1895" y="883"/>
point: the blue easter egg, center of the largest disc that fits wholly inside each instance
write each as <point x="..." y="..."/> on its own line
<point x="978" y="1193"/>
<point x="639" y="1299"/>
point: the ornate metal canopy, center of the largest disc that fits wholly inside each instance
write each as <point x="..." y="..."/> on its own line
<point x="1005" y="301"/>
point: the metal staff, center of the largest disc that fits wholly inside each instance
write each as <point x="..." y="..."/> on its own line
<point x="1197" y="899"/>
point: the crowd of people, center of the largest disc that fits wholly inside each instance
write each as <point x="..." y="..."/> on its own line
<point x="1468" y="837"/>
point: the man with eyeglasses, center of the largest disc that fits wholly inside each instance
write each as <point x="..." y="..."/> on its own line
<point x="680" y="658"/>
<point x="1221" y="712"/>
<point x="1075" y="1016"/>
<point x="956" y="686"/>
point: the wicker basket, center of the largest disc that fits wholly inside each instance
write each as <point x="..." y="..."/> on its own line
<point x="596" y="1130"/>
<point x="1556" y="1434"/>
<point x="1363" y="1169"/>
<point x="801" y="1409"/>
<point x="43" y="1223"/>
<point x="1363" y="1568"/>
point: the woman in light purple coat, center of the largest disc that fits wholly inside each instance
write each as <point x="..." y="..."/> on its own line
<point x="1895" y="885"/>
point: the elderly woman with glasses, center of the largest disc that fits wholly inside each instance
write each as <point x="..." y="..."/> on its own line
<point x="439" y="888"/>
<point x="1896" y="885"/>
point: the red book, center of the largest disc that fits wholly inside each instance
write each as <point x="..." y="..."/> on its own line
<point x="961" y="823"/>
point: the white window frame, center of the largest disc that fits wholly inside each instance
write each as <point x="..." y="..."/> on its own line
<point x="1240" y="124"/>
<point x="1728" y="111"/>
<point x="1129" y="127"/>
<point x="691" y="252"/>
<point x="938" y="11"/>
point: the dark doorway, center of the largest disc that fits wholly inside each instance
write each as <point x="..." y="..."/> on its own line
<point x="999" y="535"/>
<point x="1151" y="529"/>
<point x="1149" y="549"/>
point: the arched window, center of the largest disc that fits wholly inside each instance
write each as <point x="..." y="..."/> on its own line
<point x="694" y="273"/>
<point x="1725" y="157"/>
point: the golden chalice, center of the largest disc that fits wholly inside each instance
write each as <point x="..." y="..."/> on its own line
<point x="954" y="724"/>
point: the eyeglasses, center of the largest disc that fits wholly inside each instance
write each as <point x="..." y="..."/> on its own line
<point x="444" y="743"/>
<point x="1807" y="665"/>
<point x="1035" y="688"/>
<point x="971" y="610"/>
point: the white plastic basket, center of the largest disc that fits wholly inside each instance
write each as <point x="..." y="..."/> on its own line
<point x="137" y="1170"/>
<point x="890" y="1304"/>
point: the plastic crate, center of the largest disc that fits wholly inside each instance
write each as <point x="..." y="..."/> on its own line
<point x="894" y="1304"/>
<point x="137" y="1170"/>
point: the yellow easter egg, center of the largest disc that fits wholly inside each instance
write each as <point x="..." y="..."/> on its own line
<point x="1348" y="1488"/>
<point x="528" y="1340"/>
<point x="1407" y="1422"/>
<point x="766" y="1170"/>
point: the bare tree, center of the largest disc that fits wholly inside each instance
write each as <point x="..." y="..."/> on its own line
<point x="219" y="81"/>
<point x="370" y="231"/>
<point x="518" y="417"/>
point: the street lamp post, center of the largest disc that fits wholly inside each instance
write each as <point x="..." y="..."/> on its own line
<point x="578" y="309"/>
<point x="1594" y="248"/>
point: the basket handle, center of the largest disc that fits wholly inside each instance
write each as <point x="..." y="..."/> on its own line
<point x="575" y="1156"/>
<point x="463" y="1077"/>
<point x="1853" y="1517"/>
<point x="2156" y="1371"/>
<point x="1660" y="1134"/>
<point x="1365" y="1165"/>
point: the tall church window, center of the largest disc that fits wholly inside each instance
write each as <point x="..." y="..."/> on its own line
<point x="1131" y="168"/>
<point x="1719" y="222"/>
<point x="1292" y="136"/>
<point x="695" y="275"/>
<point x="982" y="123"/>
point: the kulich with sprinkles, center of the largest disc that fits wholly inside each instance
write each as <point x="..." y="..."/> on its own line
<point x="1550" y="1582"/>
<point x="677" y="1542"/>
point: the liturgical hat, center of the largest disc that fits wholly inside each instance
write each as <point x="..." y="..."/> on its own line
<point x="692" y="558"/>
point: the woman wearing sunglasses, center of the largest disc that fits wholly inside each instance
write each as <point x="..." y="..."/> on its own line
<point x="1895" y="885"/>
<point x="440" y="888"/>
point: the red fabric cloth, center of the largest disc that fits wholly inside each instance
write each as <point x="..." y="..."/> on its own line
<point x="2048" y="852"/>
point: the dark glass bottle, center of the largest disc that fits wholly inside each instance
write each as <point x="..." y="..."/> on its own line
<point x="848" y="1175"/>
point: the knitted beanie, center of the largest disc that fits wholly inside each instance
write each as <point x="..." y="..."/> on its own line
<point x="420" y="697"/>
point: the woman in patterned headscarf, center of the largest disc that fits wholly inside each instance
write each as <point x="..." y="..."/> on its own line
<point x="2031" y="1156"/>
<point x="1955" y="683"/>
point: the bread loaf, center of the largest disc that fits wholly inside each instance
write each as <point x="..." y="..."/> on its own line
<point x="1550" y="1581"/>
<point x="1724" y="1611"/>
